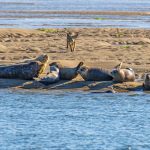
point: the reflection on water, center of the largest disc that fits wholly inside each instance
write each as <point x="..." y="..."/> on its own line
<point x="11" y="17"/>
<point x="74" y="120"/>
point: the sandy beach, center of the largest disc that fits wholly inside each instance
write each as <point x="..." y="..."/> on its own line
<point x="105" y="47"/>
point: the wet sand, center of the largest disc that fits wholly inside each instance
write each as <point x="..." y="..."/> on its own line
<point x="105" y="47"/>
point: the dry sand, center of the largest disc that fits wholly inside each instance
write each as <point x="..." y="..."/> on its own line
<point x="104" y="47"/>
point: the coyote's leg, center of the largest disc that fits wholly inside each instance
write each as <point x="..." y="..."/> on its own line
<point x="73" y="46"/>
<point x="67" y="44"/>
<point x="70" y="44"/>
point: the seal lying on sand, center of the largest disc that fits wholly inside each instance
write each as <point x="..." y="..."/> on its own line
<point x="122" y="75"/>
<point x="94" y="74"/>
<point x="52" y="76"/>
<point x="66" y="73"/>
<point x="146" y="84"/>
<point x="24" y="71"/>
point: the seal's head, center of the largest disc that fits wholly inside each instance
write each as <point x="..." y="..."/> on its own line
<point x="146" y="83"/>
<point x="54" y="69"/>
<point x="42" y="58"/>
<point x="83" y="71"/>
<point x="117" y="74"/>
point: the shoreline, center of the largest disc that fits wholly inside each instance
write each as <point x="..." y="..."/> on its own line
<point x="128" y="13"/>
<point x="72" y="19"/>
<point x="73" y="85"/>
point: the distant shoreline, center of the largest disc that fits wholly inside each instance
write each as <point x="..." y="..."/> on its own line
<point x="128" y="13"/>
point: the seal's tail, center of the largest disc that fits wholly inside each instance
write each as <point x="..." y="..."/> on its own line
<point x="79" y="65"/>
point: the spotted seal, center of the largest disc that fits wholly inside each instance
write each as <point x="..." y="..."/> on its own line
<point x="122" y="75"/>
<point x="51" y="77"/>
<point x="26" y="71"/>
<point x="146" y="84"/>
<point x="67" y="73"/>
<point x="94" y="74"/>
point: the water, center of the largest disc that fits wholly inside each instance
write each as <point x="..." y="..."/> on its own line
<point x="47" y="120"/>
<point x="109" y="5"/>
<point x="19" y="14"/>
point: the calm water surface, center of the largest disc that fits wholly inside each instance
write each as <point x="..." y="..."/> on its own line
<point x="116" y="5"/>
<point x="74" y="120"/>
<point x="11" y="17"/>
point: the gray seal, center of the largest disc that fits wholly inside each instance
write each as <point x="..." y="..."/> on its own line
<point x="26" y="71"/>
<point x="94" y="74"/>
<point x="66" y="73"/>
<point x="123" y="75"/>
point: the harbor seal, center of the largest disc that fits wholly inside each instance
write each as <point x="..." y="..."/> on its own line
<point x="67" y="73"/>
<point x="51" y="77"/>
<point x="122" y="75"/>
<point x="94" y="74"/>
<point x="146" y="84"/>
<point x="26" y="71"/>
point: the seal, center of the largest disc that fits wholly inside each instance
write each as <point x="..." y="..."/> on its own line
<point x="94" y="74"/>
<point x="67" y="73"/>
<point x="122" y="75"/>
<point x="146" y="84"/>
<point x="51" y="77"/>
<point x="26" y="71"/>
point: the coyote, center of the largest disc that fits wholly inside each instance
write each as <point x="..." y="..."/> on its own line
<point x="71" y="36"/>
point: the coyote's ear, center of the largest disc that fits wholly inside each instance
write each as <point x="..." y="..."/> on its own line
<point x="118" y="67"/>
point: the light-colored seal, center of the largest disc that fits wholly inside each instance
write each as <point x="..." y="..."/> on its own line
<point x="67" y="73"/>
<point x="26" y="71"/>
<point x="51" y="77"/>
<point x="94" y="74"/>
<point x="122" y="75"/>
<point x="146" y="84"/>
